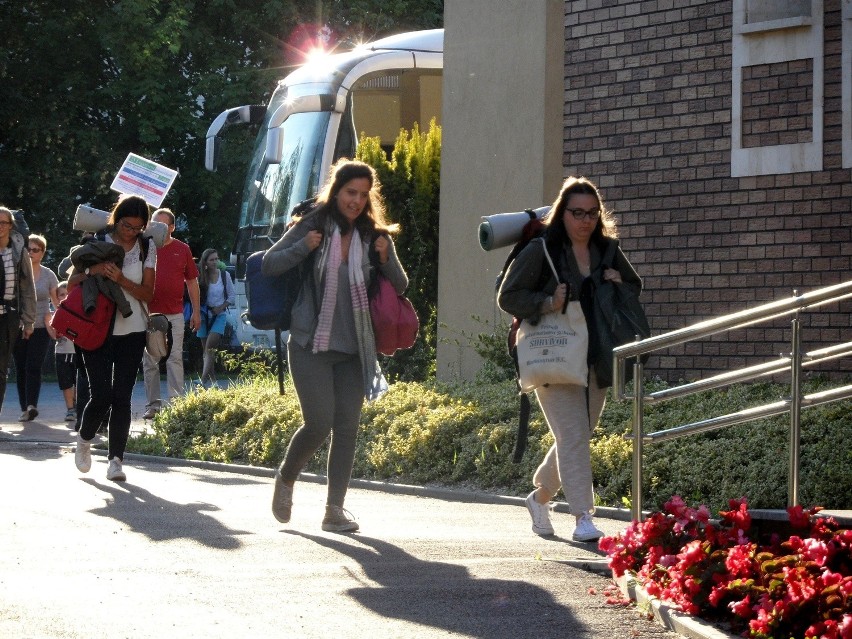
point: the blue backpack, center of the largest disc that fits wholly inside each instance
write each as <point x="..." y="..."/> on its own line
<point x="270" y="297"/>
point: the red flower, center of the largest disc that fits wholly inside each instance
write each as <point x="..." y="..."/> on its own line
<point x="798" y="517"/>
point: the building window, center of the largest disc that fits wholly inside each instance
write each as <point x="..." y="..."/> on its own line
<point x="777" y="92"/>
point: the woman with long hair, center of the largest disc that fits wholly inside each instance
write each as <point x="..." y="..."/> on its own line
<point x="578" y="232"/>
<point x="341" y="246"/>
<point x="17" y="293"/>
<point x="29" y="353"/>
<point x="112" y="367"/>
<point x="217" y="294"/>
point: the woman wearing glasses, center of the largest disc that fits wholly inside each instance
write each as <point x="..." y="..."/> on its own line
<point x="17" y="293"/>
<point x="112" y="367"/>
<point x="578" y="230"/>
<point x="29" y="353"/>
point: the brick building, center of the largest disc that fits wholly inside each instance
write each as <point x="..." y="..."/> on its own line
<point x="719" y="132"/>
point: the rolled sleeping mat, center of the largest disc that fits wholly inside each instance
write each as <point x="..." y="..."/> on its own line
<point x="504" y="229"/>
<point x="92" y="220"/>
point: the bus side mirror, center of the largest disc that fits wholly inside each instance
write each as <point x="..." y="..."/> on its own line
<point x="211" y="153"/>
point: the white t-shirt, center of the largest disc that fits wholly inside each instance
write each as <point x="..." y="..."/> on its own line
<point x="133" y="269"/>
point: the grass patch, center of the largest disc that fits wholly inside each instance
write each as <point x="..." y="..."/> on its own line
<point x="463" y="435"/>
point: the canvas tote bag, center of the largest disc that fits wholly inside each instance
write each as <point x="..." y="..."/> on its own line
<point x="555" y="350"/>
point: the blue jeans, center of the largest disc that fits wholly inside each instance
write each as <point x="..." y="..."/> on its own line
<point x="112" y="371"/>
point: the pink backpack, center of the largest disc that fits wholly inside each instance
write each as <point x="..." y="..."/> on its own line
<point x="395" y="323"/>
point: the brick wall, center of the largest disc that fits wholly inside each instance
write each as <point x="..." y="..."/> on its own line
<point x="648" y="117"/>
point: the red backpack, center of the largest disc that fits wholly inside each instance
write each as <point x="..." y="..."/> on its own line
<point x="87" y="330"/>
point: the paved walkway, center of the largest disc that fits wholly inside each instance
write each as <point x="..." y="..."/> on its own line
<point x="190" y="549"/>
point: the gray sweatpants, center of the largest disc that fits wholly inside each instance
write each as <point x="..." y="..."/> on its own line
<point x="330" y="388"/>
<point x="568" y="463"/>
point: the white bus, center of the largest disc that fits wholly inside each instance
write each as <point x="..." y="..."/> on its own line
<point x="315" y="117"/>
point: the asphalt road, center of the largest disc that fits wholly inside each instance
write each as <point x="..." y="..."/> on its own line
<point x="186" y="551"/>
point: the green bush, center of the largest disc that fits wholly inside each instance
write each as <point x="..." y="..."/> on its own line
<point x="463" y="435"/>
<point x="411" y="187"/>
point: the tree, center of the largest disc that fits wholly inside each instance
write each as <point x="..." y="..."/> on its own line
<point x="86" y="82"/>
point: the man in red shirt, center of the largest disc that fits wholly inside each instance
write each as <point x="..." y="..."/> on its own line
<point x="175" y="267"/>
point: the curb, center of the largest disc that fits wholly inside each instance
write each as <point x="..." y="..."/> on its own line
<point x="668" y="616"/>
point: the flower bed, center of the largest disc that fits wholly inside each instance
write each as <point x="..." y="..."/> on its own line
<point x="797" y="587"/>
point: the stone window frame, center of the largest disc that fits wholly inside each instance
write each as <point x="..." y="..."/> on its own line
<point x="846" y="87"/>
<point x="794" y="38"/>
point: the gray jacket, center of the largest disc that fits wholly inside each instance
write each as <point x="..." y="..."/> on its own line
<point x="292" y="249"/>
<point x="96" y="252"/>
<point x="25" y="289"/>
<point x="521" y="293"/>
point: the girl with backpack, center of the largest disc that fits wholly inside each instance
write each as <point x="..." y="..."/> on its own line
<point x="112" y="367"/>
<point x="578" y="229"/>
<point x="331" y="350"/>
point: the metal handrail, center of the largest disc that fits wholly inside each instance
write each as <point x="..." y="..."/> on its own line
<point x="792" y="363"/>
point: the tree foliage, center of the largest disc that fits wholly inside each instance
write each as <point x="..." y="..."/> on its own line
<point x="86" y="82"/>
<point x="411" y="188"/>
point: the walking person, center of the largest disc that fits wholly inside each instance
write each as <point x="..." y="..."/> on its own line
<point x="29" y="353"/>
<point x="81" y="388"/>
<point x="65" y="361"/>
<point x="112" y="367"/>
<point x="17" y="293"/>
<point x="175" y="270"/>
<point x="331" y="351"/>
<point x="217" y="294"/>
<point x="578" y="230"/>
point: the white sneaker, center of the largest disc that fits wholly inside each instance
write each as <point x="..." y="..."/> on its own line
<point x="114" y="472"/>
<point x="83" y="455"/>
<point x="585" y="530"/>
<point x="540" y="514"/>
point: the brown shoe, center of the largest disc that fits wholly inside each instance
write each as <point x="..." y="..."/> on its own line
<point x="282" y="499"/>
<point x="338" y="520"/>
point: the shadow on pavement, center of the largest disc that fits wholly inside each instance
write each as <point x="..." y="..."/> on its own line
<point x="159" y="519"/>
<point x="446" y="596"/>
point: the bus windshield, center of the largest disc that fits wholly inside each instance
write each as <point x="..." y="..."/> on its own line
<point x="271" y="191"/>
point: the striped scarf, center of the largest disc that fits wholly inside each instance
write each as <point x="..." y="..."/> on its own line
<point x="374" y="382"/>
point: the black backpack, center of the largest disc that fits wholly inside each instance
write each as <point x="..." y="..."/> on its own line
<point x="531" y="230"/>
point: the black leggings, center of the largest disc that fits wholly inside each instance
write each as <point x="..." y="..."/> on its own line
<point x="29" y="360"/>
<point x="112" y="371"/>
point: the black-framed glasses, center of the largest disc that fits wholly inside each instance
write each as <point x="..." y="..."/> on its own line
<point x="579" y="214"/>
<point x="130" y="227"/>
<point x="34" y="249"/>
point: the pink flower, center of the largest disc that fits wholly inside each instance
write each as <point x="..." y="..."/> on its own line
<point x="815" y="550"/>
<point x="740" y="561"/>
<point x="741" y="608"/>
<point x="846" y="626"/>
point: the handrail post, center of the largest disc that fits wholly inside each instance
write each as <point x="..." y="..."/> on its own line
<point x="795" y="412"/>
<point x="638" y="443"/>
